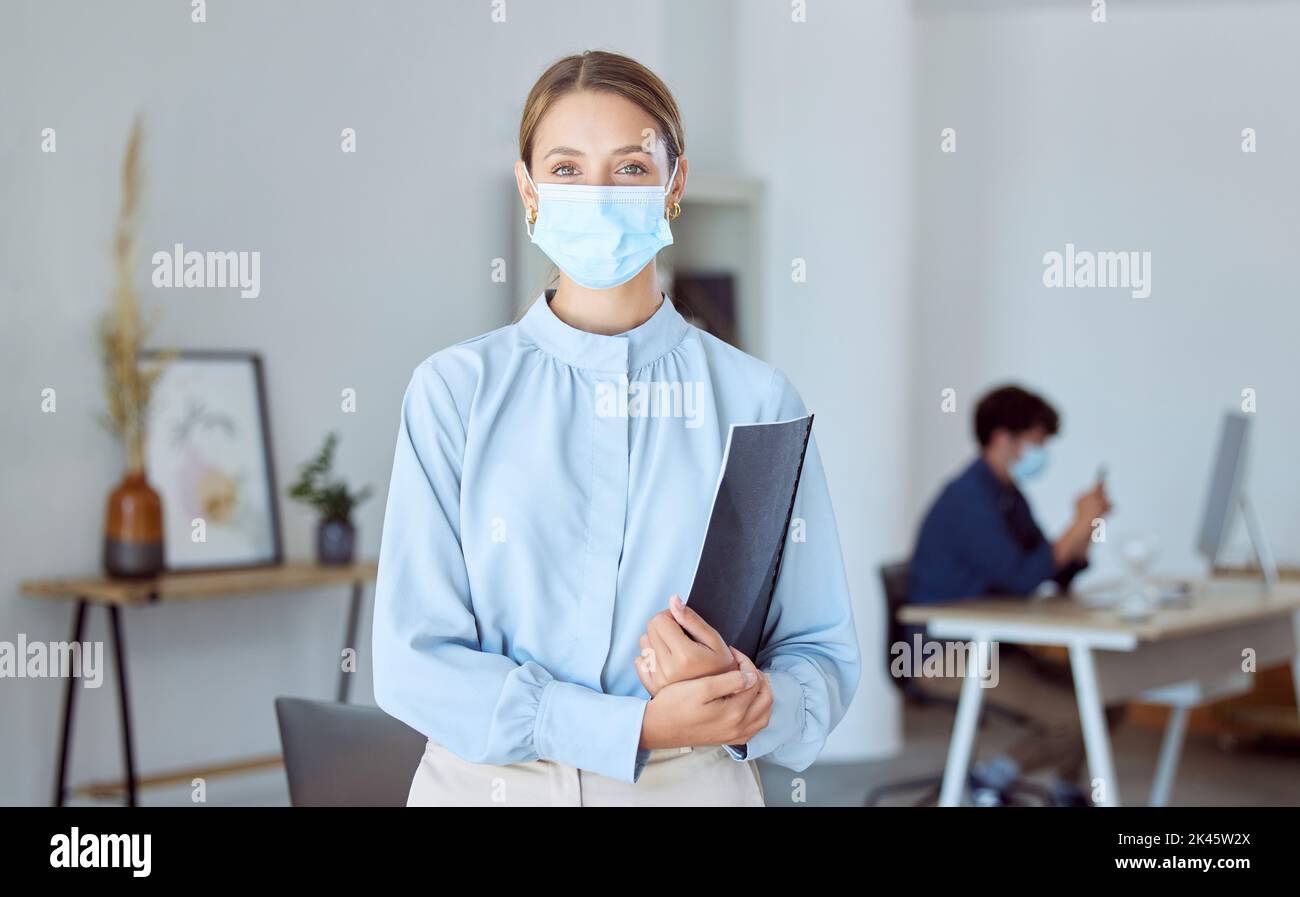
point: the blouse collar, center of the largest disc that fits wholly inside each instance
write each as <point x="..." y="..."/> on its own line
<point x="624" y="352"/>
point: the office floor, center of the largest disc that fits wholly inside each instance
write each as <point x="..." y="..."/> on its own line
<point x="1208" y="775"/>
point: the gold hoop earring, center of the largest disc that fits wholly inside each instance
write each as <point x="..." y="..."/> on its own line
<point x="531" y="215"/>
<point x="675" y="212"/>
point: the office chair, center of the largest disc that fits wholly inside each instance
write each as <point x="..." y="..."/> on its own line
<point x="346" y="755"/>
<point x="895" y="580"/>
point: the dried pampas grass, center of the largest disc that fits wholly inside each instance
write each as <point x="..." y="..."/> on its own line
<point x="128" y="385"/>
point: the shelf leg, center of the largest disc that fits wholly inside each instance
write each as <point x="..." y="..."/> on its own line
<point x="119" y="649"/>
<point x="69" y="699"/>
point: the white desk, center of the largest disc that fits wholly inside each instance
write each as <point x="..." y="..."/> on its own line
<point x="1181" y="656"/>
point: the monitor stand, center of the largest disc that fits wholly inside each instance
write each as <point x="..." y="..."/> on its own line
<point x="1263" y="553"/>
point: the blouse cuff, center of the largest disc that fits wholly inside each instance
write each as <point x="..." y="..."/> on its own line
<point x="642" y="758"/>
<point x="589" y="730"/>
<point x="785" y="724"/>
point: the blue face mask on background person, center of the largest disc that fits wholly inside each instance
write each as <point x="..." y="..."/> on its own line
<point x="1032" y="460"/>
<point x="601" y="237"/>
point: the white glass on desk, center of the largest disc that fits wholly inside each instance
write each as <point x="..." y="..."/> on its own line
<point x="1140" y="598"/>
<point x="1136" y="594"/>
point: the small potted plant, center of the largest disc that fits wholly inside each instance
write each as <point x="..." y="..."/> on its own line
<point x="335" y="535"/>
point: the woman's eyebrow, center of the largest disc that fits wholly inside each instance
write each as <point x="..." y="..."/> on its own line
<point x="570" y="151"/>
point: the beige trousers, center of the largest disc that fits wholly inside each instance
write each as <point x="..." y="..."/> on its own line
<point x="673" y="777"/>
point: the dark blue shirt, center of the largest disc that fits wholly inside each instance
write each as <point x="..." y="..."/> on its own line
<point x="980" y="539"/>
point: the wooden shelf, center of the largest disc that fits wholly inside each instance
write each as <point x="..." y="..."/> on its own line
<point x="1284" y="574"/>
<point x="114" y="594"/>
<point x="201" y="585"/>
<point x="117" y="789"/>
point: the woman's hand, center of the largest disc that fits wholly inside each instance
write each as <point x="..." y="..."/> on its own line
<point x="669" y="654"/>
<point x="726" y="708"/>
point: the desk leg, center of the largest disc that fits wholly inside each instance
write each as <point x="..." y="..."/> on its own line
<point x="69" y="698"/>
<point x="350" y="639"/>
<point x="963" y="732"/>
<point x="1170" y="749"/>
<point x="128" y="752"/>
<point x="1295" y="678"/>
<point x="1295" y="661"/>
<point x="1093" y="718"/>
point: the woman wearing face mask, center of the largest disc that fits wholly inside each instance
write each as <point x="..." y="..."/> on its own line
<point x="541" y="521"/>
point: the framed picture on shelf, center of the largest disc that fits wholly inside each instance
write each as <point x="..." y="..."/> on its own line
<point x="208" y="454"/>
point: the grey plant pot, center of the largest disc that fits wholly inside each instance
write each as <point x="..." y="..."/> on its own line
<point x="336" y="542"/>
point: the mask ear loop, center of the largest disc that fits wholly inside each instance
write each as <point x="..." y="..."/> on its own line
<point x="531" y="214"/>
<point x="668" y="187"/>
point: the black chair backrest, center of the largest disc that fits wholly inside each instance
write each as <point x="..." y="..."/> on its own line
<point x="895" y="580"/>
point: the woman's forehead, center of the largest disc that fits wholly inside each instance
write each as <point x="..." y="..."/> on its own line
<point x="596" y="122"/>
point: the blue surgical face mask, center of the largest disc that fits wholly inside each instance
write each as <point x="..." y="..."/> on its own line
<point x="601" y="237"/>
<point x="1032" y="460"/>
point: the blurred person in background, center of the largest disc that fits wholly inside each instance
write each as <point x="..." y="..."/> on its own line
<point x="979" y="539"/>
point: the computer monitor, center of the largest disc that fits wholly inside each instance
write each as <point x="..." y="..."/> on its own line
<point x="1227" y="494"/>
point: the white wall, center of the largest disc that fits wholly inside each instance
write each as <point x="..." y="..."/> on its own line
<point x="1123" y="135"/>
<point x="825" y="120"/>
<point x="923" y="268"/>
<point x="369" y="263"/>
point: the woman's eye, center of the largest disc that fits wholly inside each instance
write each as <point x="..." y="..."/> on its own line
<point x="633" y="168"/>
<point x="564" y="170"/>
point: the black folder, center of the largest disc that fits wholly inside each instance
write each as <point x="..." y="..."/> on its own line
<point x="735" y="576"/>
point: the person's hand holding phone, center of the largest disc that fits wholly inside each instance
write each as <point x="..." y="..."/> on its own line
<point x="1094" y="503"/>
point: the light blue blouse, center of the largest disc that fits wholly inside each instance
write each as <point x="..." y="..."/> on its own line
<point x="550" y="491"/>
